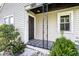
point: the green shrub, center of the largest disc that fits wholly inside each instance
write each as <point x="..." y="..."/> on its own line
<point x="17" y="47"/>
<point x="7" y="33"/>
<point x="8" y="36"/>
<point x="63" y="47"/>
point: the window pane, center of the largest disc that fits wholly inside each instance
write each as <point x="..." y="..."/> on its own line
<point x="11" y="20"/>
<point x="1" y="21"/>
<point x="6" y="20"/>
<point x="61" y="27"/>
<point x="67" y="27"/>
<point x="67" y="18"/>
<point x="62" y="20"/>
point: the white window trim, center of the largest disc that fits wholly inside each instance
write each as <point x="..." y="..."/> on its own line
<point x="9" y="16"/>
<point x="71" y="20"/>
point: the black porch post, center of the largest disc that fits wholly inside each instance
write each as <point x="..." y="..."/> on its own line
<point x="43" y="25"/>
<point x="45" y="18"/>
<point x="47" y="22"/>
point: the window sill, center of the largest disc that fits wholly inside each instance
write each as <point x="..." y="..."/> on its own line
<point x="66" y="32"/>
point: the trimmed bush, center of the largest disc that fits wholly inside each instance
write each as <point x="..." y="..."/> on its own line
<point x="7" y="33"/>
<point x="63" y="47"/>
<point x="10" y="37"/>
<point x="17" y="47"/>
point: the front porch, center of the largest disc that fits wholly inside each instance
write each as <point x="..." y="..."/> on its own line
<point x="43" y="24"/>
<point x="40" y="43"/>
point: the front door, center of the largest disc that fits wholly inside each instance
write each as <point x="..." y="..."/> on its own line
<point x="31" y="27"/>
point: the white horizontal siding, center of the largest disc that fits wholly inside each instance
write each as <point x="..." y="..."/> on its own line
<point x="76" y="24"/>
<point x="20" y="18"/>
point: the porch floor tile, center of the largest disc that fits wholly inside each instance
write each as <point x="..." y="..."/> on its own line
<point x="39" y="43"/>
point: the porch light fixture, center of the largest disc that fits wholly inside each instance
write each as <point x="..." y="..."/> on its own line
<point x="38" y="11"/>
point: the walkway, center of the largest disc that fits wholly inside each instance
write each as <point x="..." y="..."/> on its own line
<point x="32" y="52"/>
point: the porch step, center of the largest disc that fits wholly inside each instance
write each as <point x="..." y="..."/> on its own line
<point x="45" y="51"/>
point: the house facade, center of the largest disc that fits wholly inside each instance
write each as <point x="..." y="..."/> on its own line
<point x="43" y="23"/>
<point x="18" y="13"/>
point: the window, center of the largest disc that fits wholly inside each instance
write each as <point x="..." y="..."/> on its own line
<point x="9" y="20"/>
<point x="1" y="21"/>
<point x="65" y="21"/>
<point x="6" y="20"/>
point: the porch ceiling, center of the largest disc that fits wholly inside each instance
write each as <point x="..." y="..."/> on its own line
<point x="54" y="6"/>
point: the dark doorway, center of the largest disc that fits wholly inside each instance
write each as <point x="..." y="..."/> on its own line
<point x="31" y="28"/>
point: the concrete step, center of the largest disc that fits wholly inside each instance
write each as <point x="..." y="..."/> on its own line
<point x="45" y="51"/>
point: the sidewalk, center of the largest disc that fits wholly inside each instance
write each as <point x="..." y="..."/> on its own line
<point x="32" y="52"/>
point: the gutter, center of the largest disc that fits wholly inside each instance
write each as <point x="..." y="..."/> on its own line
<point x="33" y="5"/>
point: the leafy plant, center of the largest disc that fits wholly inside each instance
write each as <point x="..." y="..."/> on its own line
<point x="8" y="36"/>
<point x="7" y="33"/>
<point x="63" y="47"/>
<point x="17" y="47"/>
